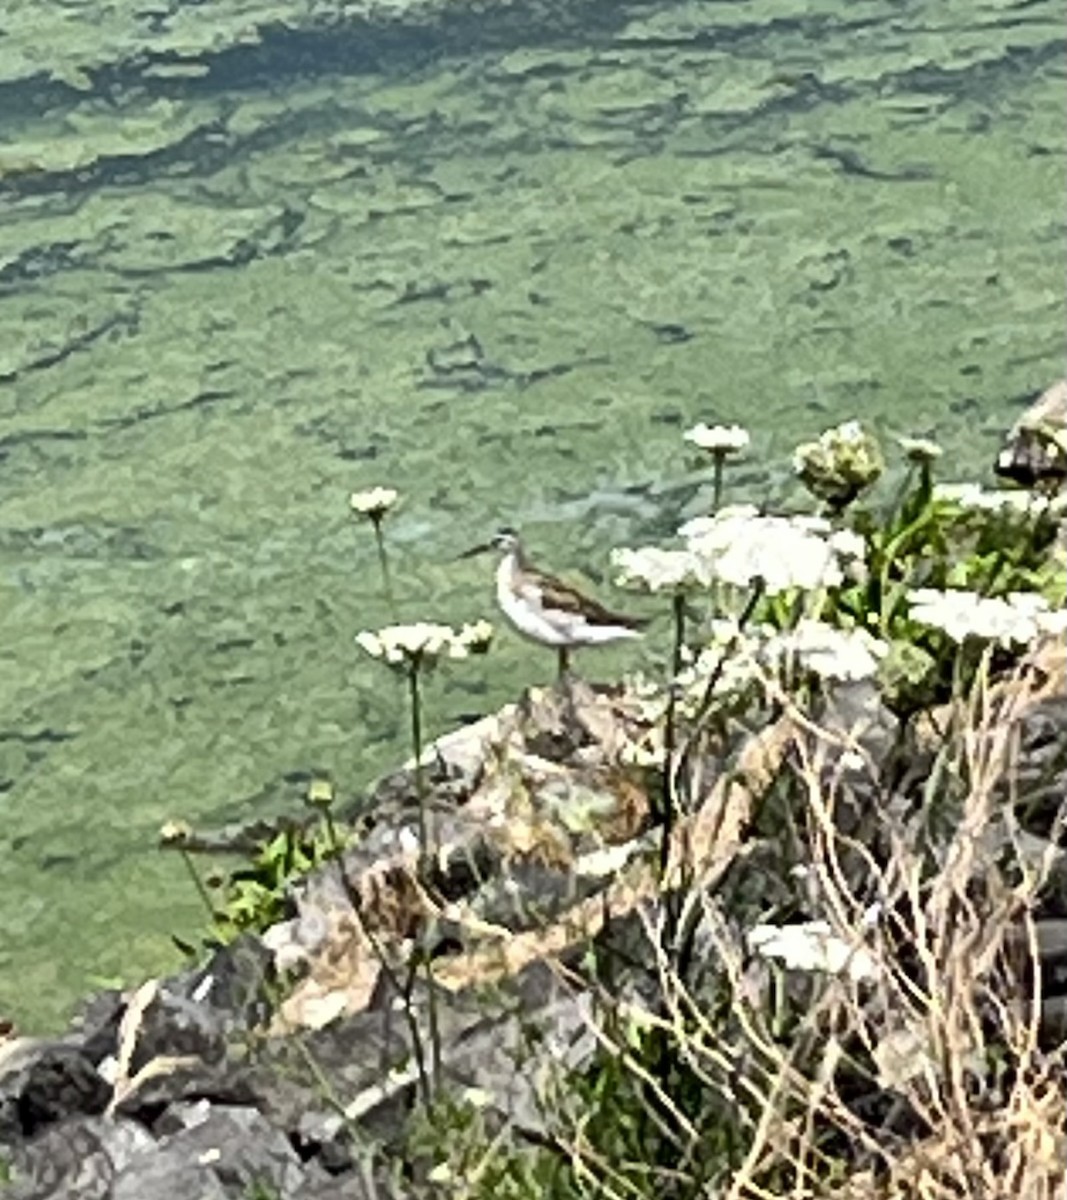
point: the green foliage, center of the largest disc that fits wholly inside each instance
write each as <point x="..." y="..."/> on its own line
<point x="256" y="894"/>
<point x="261" y="1190"/>
<point x="987" y="543"/>
<point x="454" y="1151"/>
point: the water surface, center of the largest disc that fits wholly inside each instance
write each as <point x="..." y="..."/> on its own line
<point x="496" y="255"/>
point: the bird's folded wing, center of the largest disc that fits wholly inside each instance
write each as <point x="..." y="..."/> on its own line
<point x="555" y="594"/>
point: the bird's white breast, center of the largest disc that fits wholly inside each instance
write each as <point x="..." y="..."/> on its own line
<point x="523" y="611"/>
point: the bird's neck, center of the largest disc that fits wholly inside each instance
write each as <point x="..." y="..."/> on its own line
<point x="511" y="565"/>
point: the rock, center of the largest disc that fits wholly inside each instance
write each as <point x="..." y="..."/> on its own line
<point x="183" y="1080"/>
<point x="42" y="1083"/>
<point x="78" y="1159"/>
<point x="239" y="1146"/>
<point x="1035" y="450"/>
<point x="167" y="1175"/>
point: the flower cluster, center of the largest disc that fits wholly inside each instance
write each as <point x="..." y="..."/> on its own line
<point x="1005" y="500"/>
<point x="718" y="439"/>
<point x="423" y="643"/>
<point x="830" y="653"/>
<point x="812" y="946"/>
<point x="838" y="466"/>
<point x="740" y="546"/>
<point x="373" y="503"/>
<point x="1020" y="617"/>
<point x="920" y="450"/>
<point x="657" y="570"/>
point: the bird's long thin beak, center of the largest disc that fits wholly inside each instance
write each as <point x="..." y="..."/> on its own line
<point x="480" y="549"/>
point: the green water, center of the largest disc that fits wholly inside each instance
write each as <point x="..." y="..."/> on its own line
<point x="495" y="255"/>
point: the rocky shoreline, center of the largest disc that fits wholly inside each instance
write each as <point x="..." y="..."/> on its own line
<point x="288" y="1066"/>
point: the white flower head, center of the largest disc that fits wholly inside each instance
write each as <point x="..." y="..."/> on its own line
<point x="970" y="496"/>
<point x="741" y="547"/>
<point x="812" y="946"/>
<point x="399" y="645"/>
<point x="373" y="503"/>
<point x="718" y="439"/>
<point x="1018" y="618"/>
<point x="656" y="570"/>
<point x="920" y="450"/>
<point x="474" y="638"/>
<point x="830" y="653"/>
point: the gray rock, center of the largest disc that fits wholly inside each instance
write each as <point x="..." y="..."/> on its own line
<point x="221" y="1083"/>
<point x="167" y="1175"/>
<point x="78" y="1159"/>
<point x="41" y="1083"/>
<point x="1035" y="450"/>
<point x="241" y="1148"/>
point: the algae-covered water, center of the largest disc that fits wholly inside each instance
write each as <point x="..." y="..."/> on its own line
<point x="497" y="255"/>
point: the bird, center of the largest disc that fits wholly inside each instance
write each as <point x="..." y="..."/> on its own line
<point x="546" y="610"/>
<point x="1035" y="450"/>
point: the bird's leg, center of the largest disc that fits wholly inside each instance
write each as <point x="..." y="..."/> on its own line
<point x="564" y="663"/>
<point x="565" y="684"/>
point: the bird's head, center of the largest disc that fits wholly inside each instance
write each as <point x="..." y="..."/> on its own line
<point x="505" y="540"/>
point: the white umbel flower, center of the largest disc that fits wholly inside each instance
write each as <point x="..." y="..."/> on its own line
<point x="740" y="546"/>
<point x="656" y="570"/>
<point x="1018" y="618"/>
<point x="718" y="439"/>
<point x="474" y="638"/>
<point x="830" y="653"/>
<point x="373" y="503"/>
<point x="812" y="946"/>
<point x="920" y="450"/>
<point x="420" y="643"/>
<point x="1003" y="500"/>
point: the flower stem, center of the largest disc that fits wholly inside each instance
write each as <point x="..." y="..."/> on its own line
<point x="427" y="858"/>
<point x="383" y="564"/>
<point x="670" y="742"/>
<point x="198" y="883"/>
<point x="716" y="495"/>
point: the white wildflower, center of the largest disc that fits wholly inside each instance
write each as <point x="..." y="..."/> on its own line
<point x="373" y="503"/>
<point x="740" y="547"/>
<point x="1001" y="500"/>
<point x="812" y="946"/>
<point x="1020" y="617"/>
<point x="474" y="638"/>
<point x="423" y="641"/>
<point x="175" y="832"/>
<point x="828" y="652"/>
<point x="732" y="655"/>
<point x="718" y="439"/>
<point x="1053" y="624"/>
<point x="657" y="570"/>
<point x="920" y="450"/>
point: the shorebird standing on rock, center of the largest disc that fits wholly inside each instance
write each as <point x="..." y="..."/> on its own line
<point x="547" y="610"/>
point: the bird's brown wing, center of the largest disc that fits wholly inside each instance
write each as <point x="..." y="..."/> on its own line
<point x="554" y="593"/>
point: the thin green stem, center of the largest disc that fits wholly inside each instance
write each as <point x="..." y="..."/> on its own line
<point x="427" y="860"/>
<point x="888" y="559"/>
<point x="414" y="695"/>
<point x="716" y="495"/>
<point x="331" y="833"/>
<point x="670" y="743"/>
<point x="383" y="564"/>
<point x="198" y="883"/>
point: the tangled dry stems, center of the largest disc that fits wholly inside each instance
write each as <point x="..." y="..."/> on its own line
<point x="927" y="1079"/>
